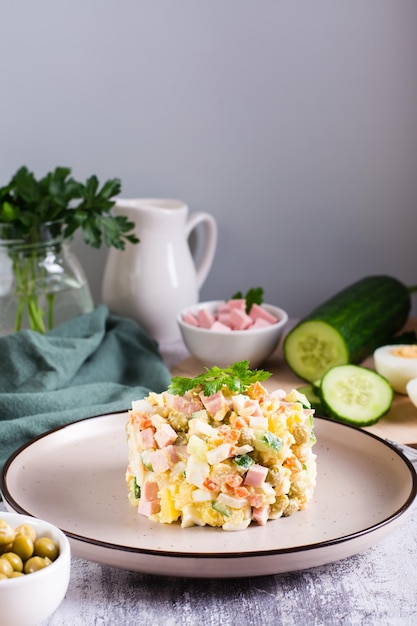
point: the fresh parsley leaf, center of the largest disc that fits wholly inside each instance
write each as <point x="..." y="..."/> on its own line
<point x="26" y="203"/>
<point x="237" y="377"/>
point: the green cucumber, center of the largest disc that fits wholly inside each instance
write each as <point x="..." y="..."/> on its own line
<point x="313" y="397"/>
<point x="348" y="327"/>
<point x="355" y="395"/>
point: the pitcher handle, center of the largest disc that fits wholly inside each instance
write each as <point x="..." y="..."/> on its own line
<point x="204" y="264"/>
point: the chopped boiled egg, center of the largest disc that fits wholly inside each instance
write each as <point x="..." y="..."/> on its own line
<point x="398" y="364"/>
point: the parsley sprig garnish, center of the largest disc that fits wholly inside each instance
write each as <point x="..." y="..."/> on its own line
<point x="27" y="204"/>
<point x="237" y="377"/>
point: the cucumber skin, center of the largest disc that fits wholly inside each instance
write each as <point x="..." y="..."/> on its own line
<point x="367" y="314"/>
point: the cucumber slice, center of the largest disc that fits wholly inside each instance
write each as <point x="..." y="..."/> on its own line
<point x="355" y="395"/>
<point x="313" y="347"/>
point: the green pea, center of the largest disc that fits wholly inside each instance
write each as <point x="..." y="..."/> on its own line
<point x="36" y="563"/>
<point x="14" y="560"/>
<point x="27" y="530"/>
<point x="44" y="546"/>
<point x="23" y="546"/>
<point x="6" y="547"/>
<point x="7" y="534"/>
<point x="5" y="567"/>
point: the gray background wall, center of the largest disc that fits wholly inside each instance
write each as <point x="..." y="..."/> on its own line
<point x="293" y="122"/>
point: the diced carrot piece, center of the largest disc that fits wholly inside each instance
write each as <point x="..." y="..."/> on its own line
<point x="142" y="420"/>
<point x="210" y="484"/>
<point x="256" y="391"/>
<point x="242" y="492"/>
<point x="256" y="500"/>
<point x="293" y="464"/>
<point x="234" y="480"/>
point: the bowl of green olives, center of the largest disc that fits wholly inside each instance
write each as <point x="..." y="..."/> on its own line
<point x="35" y="561"/>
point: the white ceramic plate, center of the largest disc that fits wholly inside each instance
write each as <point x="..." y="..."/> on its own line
<point x="74" y="478"/>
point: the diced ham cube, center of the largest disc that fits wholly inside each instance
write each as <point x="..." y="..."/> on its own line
<point x="148" y="508"/>
<point x="256" y="408"/>
<point x="224" y="318"/>
<point x="165" y="435"/>
<point x="149" y="490"/>
<point x="256" y="475"/>
<point x="147" y="438"/>
<point x="237" y="303"/>
<point x="261" y="514"/>
<point x="257" y="311"/>
<point x="220" y="327"/>
<point x="206" y="318"/>
<point x="171" y="454"/>
<point x="159" y="461"/>
<point x="260" y="323"/>
<point x="185" y="405"/>
<point x="190" y="318"/>
<point x="215" y="403"/>
<point x="240" y="320"/>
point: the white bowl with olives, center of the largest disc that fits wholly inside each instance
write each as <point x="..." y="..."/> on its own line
<point x="35" y="560"/>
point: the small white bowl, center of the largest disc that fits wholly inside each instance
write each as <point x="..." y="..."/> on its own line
<point x="31" y="599"/>
<point x="225" y="348"/>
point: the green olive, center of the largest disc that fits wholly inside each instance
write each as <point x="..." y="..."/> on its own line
<point x="44" y="546"/>
<point x="27" y="530"/>
<point x="36" y="563"/>
<point x="14" y="560"/>
<point x="7" y="534"/>
<point x="3" y="577"/>
<point x="23" y="546"/>
<point x="17" y="574"/>
<point x="5" y="567"/>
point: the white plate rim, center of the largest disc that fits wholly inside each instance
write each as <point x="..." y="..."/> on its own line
<point x="392" y="520"/>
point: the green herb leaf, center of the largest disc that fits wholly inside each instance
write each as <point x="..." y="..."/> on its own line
<point x="26" y="203"/>
<point x="244" y="461"/>
<point x="237" y="377"/>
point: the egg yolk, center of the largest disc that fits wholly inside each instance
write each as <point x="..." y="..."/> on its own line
<point x="408" y="352"/>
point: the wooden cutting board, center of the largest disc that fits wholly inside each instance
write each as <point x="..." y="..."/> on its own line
<point x="400" y="424"/>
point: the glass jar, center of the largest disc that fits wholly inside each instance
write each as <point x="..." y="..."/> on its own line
<point x="42" y="284"/>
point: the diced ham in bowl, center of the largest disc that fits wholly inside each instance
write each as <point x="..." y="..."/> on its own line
<point x="221" y="333"/>
<point x="231" y="315"/>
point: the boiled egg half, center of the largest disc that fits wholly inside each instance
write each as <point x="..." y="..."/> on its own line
<point x="398" y="363"/>
<point x="412" y="390"/>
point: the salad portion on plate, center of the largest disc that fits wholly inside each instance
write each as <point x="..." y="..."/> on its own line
<point x="75" y="477"/>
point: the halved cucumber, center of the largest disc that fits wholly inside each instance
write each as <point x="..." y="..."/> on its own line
<point x="348" y="327"/>
<point x="355" y="395"/>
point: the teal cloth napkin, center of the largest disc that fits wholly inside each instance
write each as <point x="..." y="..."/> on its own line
<point x="95" y="363"/>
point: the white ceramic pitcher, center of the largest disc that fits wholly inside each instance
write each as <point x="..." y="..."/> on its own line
<point x="153" y="280"/>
